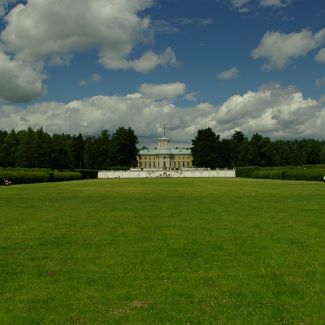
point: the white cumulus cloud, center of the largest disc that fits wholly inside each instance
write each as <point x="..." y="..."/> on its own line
<point x="42" y="30"/>
<point x="274" y="111"/>
<point x="244" y="6"/>
<point x="239" y="3"/>
<point x="94" y="78"/>
<point x="37" y="32"/>
<point x="280" y="48"/>
<point x="163" y="91"/>
<point x="228" y="74"/>
<point x="150" y="60"/>
<point x="275" y="3"/>
<point x="320" y="57"/>
<point x="191" y="96"/>
<point x="50" y="32"/>
<point x="19" y="82"/>
<point x="278" y="112"/>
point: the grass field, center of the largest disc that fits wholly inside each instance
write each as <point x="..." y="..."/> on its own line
<point x="163" y="251"/>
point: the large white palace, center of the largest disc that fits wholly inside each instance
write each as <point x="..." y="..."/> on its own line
<point x="164" y="161"/>
<point x="165" y="157"/>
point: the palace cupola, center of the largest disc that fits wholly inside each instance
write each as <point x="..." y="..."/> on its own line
<point x="164" y="143"/>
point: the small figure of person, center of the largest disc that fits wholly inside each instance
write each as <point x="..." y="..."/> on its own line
<point x="7" y="182"/>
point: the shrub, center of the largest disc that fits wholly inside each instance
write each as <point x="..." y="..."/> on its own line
<point x="246" y="172"/>
<point x="314" y="166"/>
<point x="65" y="176"/>
<point x="305" y="174"/>
<point x="23" y="177"/>
<point x="308" y="173"/>
<point x="268" y="174"/>
<point x="23" y="169"/>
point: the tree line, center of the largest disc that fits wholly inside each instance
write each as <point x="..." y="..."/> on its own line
<point x="37" y="149"/>
<point x="209" y="150"/>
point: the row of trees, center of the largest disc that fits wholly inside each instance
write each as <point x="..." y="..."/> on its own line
<point x="209" y="150"/>
<point x="38" y="149"/>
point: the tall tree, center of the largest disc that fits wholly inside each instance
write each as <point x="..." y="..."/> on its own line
<point x="3" y="136"/>
<point x="9" y="149"/>
<point x="26" y="151"/>
<point x="310" y="151"/>
<point x="61" y="156"/>
<point x="239" y="149"/>
<point x="103" y="143"/>
<point x="34" y="149"/>
<point x="97" y="151"/>
<point x="90" y="156"/>
<point x="78" y="149"/>
<point x="205" y="149"/>
<point x="43" y="145"/>
<point x="124" y="148"/>
<point x="259" y="154"/>
<point x="322" y="153"/>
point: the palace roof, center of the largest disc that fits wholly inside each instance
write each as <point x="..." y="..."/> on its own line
<point x="164" y="151"/>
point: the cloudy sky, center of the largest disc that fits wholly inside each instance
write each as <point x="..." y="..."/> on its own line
<point x="81" y="66"/>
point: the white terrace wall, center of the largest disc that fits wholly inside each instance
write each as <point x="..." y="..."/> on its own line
<point x="147" y="173"/>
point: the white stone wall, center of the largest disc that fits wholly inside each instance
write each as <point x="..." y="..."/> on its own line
<point x="148" y="173"/>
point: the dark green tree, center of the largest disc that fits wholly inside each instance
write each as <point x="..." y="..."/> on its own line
<point x="90" y="157"/>
<point x="226" y="159"/>
<point x="239" y="149"/>
<point x="3" y="136"/>
<point x="124" y="148"/>
<point x="43" y="145"/>
<point x="322" y="153"/>
<point x="103" y="143"/>
<point x="259" y="154"/>
<point x="97" y="151"/>
<point x="61" y="155"/>
<point x="34" y="149"/>
<point x="310" y="150"/>
<point x="8" y="150"/>
<point x="78" y="151"/>
<point x="25" y="155"/>
<point x="206" y="149"/>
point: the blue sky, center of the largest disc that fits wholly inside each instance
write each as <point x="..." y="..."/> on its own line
<point x="84" y="65"/>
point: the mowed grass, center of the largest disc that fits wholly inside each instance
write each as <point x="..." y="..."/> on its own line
<point x="163" y="251"/>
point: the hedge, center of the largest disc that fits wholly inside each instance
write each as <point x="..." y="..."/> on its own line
<point x="305" y="174"/>
<point x="246" y="172"/>
<point x="271" y="174"/>
<point x="310" y="173"/>
<point x="25" y="177"/>
<point x="23" y="169"/>
<point x="64" y="176"/>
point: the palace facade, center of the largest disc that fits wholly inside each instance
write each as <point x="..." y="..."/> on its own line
<point x="165" y="157"/>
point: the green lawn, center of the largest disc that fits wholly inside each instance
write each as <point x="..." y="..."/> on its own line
<point x="163" y="251"/>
